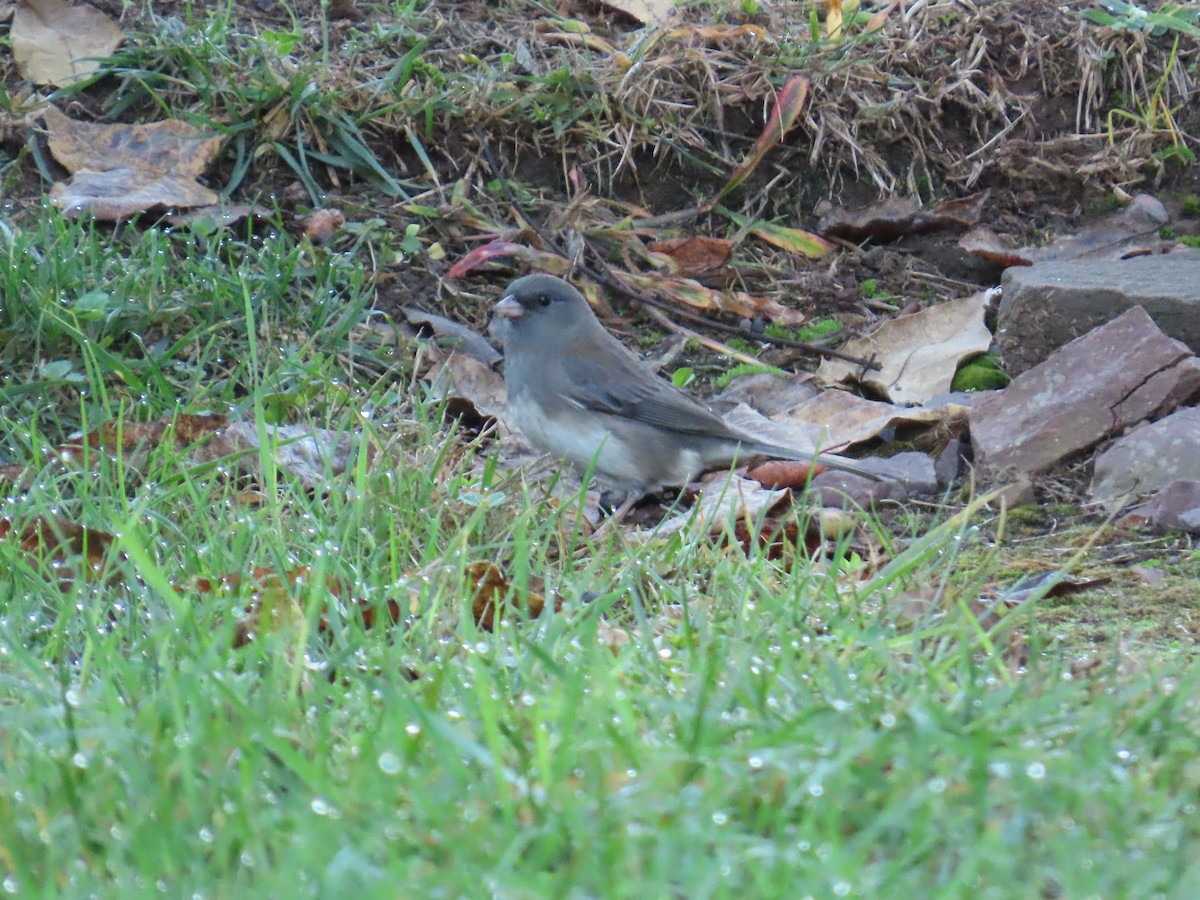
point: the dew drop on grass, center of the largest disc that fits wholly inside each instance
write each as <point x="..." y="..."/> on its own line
<point x="841" y="888"/>
<point x="320" y="807"/>
<point x="412" y="729"/>
<point x="720" y="818"/>
<point x="80" y="760"/>
<point x="1035" y="770"/>
<point x="755" y="762"/>
<point x="11" y="885"/>
<point x="206" y="835"/>
<point x="389" y="763"/>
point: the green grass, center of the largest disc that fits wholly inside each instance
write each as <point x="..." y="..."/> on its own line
<point x="775" y="727"/>
<point x="772" y="726"/>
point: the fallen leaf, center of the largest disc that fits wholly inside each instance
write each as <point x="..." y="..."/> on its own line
<point x="505" y="250"/>
<point x="492" y="596"/>
<point x="451" y="335"/>
<point x="690" y="293"/>
<point x="836" y="419"/>
<point x="645" y="11"/>
<point x="784" y="114"/>
<point x="695" y="254"/>
<point x="268" y="585"/>
<point x="715" y="34"/>
<point x="725" y="500"/>
<point x="918" y="354"/>
<point x="879" y="18"/>
<point x="61" y="541"/>
<point x="121" y="170"/>
<point x="900" y="216"/>
<point x="310" y="455"/>
<point x="56" y="43"/>
<point x="465" y="379"/>
<point x="833" y="20"/>
<point x="785" y="473"/>
<point x="794" y="240"/>
<point x="320" y="224"/>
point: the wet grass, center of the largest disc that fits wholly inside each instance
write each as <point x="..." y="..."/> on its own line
<point x="699" y="720"/>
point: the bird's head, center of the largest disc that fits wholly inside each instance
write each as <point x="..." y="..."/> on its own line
<point x="543" y="304"/>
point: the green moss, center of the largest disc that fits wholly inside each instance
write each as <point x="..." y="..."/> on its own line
<point x="817" y="330"/>
<point x="984" y="373"/>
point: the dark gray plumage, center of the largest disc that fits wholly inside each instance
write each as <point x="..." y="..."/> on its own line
<point x="575" y="391"/>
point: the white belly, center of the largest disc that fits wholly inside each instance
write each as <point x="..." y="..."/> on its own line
<point x="590" y="444"/>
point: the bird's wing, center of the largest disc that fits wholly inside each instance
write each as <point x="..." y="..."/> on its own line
<point x="628" y="390"/>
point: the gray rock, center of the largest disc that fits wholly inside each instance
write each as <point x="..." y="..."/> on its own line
<point x="842" y="489"/>
<point x="1049" y="304"/>
<point x="1150" y="457"/>
<point x="1018" y="492"/>
<point x="1175" y="506"/>
<point x="915" y="471"/>
<point x="949" y="462"/>
<point x="1095" y="386"/>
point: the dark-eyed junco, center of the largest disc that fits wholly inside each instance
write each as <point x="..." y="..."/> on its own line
<point x="575" y="391"/>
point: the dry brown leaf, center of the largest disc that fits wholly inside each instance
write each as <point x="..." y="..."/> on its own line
<point x="56" y="43"/>
<point x="835" y="419"/>
<point x="492" y="596"/>
<point x="696" y="254"/>
<point x="320" y="224"/>
<point x="120" y="170"/>
<point x="267" y="585"/>
<point x="918" y="354"/>
<point x="833" y="20"/>
<point x="472" y="386"/>
<point x="645" y="11"/>
<point x="60" y="541"/>
<point x="899" y="216"/>
<point x="310" y="455"/>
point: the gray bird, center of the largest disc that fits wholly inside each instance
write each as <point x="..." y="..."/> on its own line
<point x="575" y="391"/>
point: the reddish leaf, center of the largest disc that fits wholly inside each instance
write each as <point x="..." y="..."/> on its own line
<point x="503" y="250"/>
<point x="696" y="254"/>
<point x="785" y="473"/>
<point x="787" y="109"/>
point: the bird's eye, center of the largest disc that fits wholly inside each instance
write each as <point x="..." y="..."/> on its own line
<point x="543" y="300"/>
